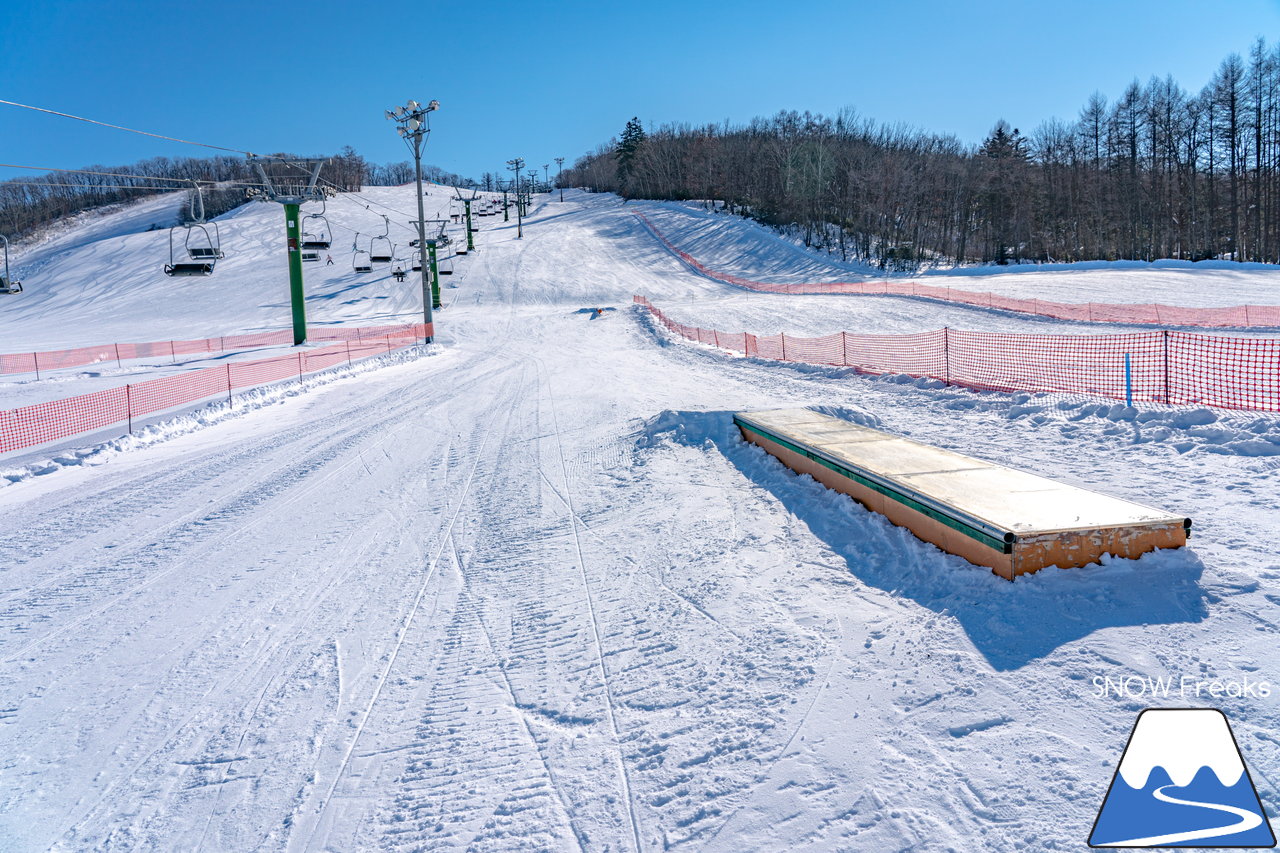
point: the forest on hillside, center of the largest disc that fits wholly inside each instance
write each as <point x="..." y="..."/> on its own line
<point x="1156" y="173"/>
<point x="29" y="202"/>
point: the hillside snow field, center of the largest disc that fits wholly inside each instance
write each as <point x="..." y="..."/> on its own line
<point x="526" y="588"/>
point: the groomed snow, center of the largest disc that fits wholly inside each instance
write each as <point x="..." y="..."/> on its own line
<point x="533" y="592"/>
<point x="737" y="246"/>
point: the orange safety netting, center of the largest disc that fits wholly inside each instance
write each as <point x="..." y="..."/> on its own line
<point x="37" y="362"/>
<point x="1179" y="368"/>
<point x="1236" y="316"/>
<point x="30" y="426"/>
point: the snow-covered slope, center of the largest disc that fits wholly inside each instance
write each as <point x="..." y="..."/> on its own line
<point x="533" y="592"/>
<point x="105" y="283"/>
<point x="731" y="244"/>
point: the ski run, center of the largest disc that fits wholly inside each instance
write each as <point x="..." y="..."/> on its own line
<point x="526" y="588"/>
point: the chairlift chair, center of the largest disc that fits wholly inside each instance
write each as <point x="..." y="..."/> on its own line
<point x="7" y="284"/>
<point x="203" y="246"/>
<point x="309" y="256"/>
<point x="360" y="261"/>
<point x="445" y="267"/>
<point x="381" y="249"/>
<point x="316" y="233"/>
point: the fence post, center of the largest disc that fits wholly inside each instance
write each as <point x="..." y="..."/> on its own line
<point x="716" y="337"/>
<point x="348" y="343"/>
<point x="1166" y="367"/>
<point x="128" y="407"/>
<point x="784" y="345"/>
<point x="173" y="357"/>
<point x="946" y="355"/>
<point x="299" y="365"/>
<point x="36" y="355"/>
<point x="844" y="348"/>
<point x="228" y="383"/>
<point x="1128" y="382"/>
<point x="117" y="346"/>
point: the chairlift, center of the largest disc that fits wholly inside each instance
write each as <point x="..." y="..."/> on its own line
<point x="316" y="233"/>
<point x="203" y="247"/>
<point x="445" y="267"/>
<point x="310" y="256"/>
<point x="7" y="284"/>
<point x="360" y="261"/>
<point x="381" y="249"/>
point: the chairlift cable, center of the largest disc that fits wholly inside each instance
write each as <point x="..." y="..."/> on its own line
<point x="344" y="194"/>
<point x="121" y="127"/>
<point x="90" y="172"/>
<point x="103" y="186"/>
<point x="228" y="184"/>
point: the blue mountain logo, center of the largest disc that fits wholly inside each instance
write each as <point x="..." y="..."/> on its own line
<point x="1182" y="783"/>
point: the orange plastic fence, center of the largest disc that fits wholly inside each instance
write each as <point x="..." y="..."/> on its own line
<point x="1180" y="368"/>
<point x="38" y="362"/>
<point x="1235" y="317"/>
<point x="37" y="424"/>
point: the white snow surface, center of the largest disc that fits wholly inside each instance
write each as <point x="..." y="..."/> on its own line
<point x="107" y="285"/>
<point x="734" y="245"/>
<point x="533" y="592"/>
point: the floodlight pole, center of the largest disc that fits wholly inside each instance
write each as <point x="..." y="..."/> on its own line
<point x="559" y="172"/>
<point x="516" y="165"/>
<point x="411" y="124"/>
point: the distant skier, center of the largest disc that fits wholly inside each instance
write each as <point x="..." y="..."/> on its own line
<point x="328" y="260"/>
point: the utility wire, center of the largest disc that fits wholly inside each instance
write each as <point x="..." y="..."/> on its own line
<point x="120" y="127"/>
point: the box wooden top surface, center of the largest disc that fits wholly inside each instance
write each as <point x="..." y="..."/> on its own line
<point x="1006" y="498"/>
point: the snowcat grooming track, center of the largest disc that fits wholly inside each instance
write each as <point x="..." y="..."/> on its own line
<point x="1013" y="522"/>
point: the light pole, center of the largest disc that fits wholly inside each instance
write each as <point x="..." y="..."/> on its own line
<point x="516" y="165"/>
<point x="506" y="207"/>
<point x="413" y="127"/>
<point x="545" y="175"/>
<point x="559" y="172"/>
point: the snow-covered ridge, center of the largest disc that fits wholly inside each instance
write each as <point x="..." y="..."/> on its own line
<point x="741" y="247"/>
<point x="1181" y="741"/>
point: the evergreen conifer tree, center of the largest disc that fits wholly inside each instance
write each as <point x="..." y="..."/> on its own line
<point x="633" y="137"/>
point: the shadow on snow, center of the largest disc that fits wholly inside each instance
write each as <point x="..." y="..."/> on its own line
<point x="1011" y="624"/>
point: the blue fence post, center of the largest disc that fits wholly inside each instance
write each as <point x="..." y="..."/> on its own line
<point x="1128" y="382"/>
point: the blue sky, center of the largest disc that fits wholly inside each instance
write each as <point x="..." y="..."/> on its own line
<point x="541" y="80"/>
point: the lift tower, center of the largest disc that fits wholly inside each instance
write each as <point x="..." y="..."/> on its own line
<point x="290" y="183"/>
